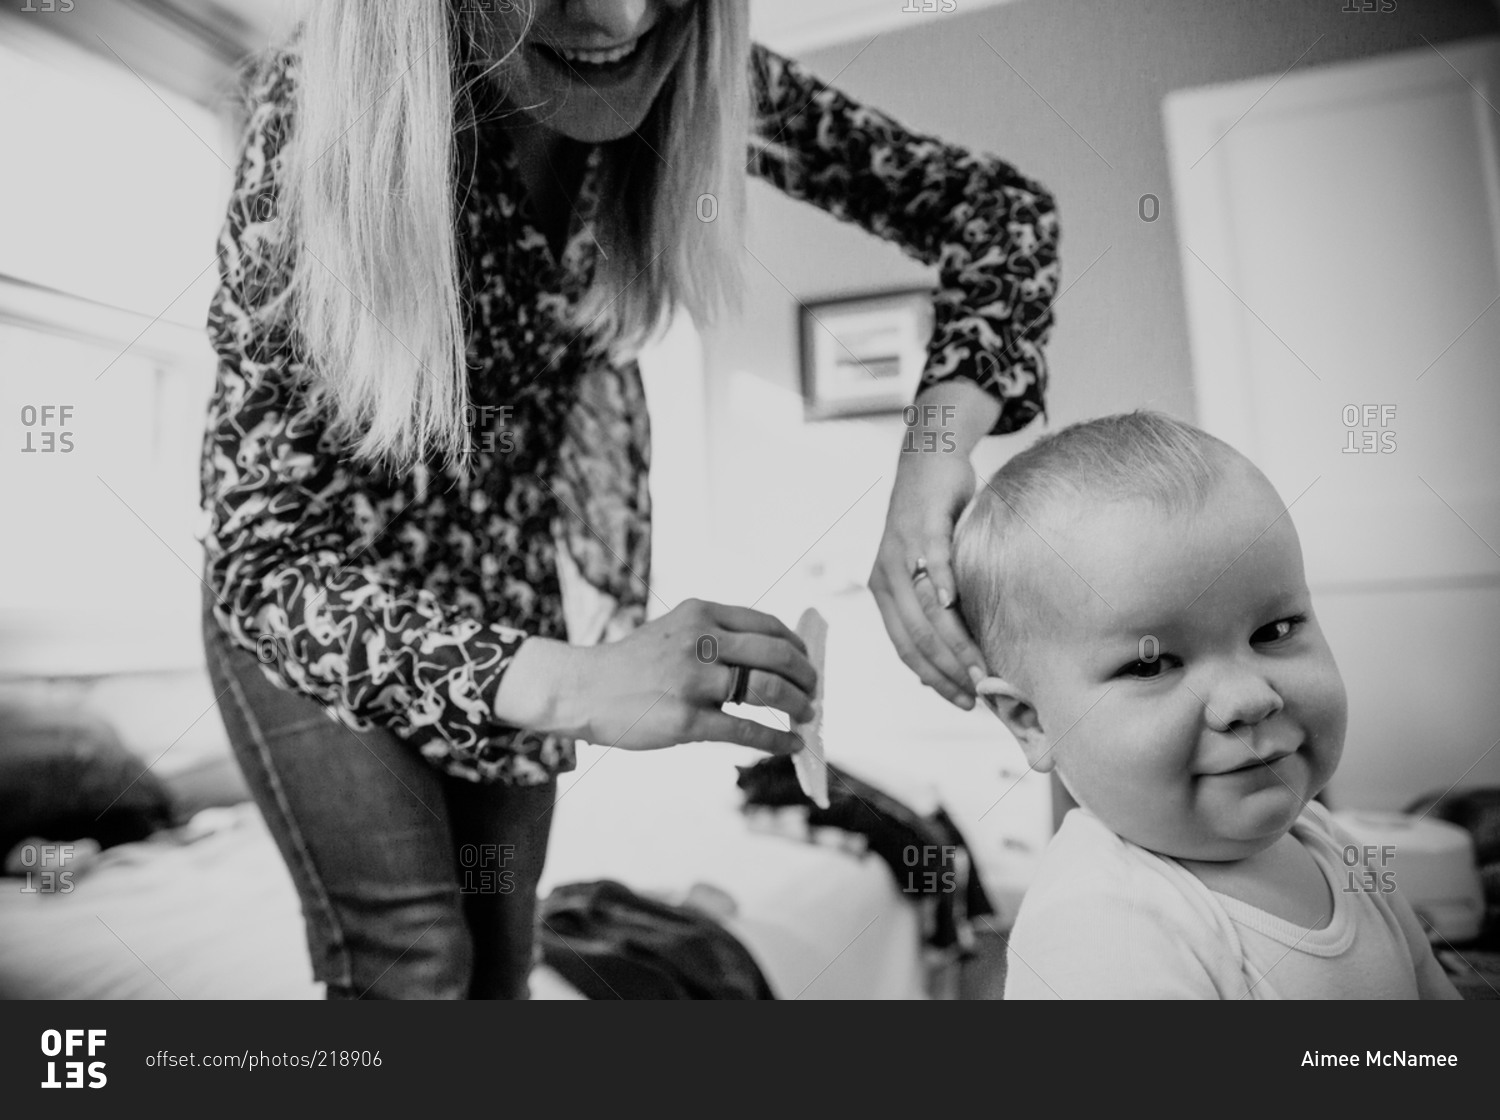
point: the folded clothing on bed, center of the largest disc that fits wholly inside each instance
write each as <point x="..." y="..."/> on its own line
<point x="927" y="854"/>
<point x="611" y="943"/>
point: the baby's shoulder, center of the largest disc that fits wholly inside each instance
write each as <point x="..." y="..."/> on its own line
<point x="1106" y="918"/>
<point x="1087" y="864"/>
<point x="1082" y="834"/>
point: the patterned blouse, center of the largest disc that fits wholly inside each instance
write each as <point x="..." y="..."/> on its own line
<point x="399" y="602"/>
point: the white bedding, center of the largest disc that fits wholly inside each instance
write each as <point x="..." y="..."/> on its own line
<point x="216" y="917"/>
<point x="822" y="923"/>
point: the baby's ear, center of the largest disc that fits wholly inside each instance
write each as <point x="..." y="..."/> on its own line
<point x="1019" y="715"/>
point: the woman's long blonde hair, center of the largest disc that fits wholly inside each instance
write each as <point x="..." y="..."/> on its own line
<point x="369" y="186"/>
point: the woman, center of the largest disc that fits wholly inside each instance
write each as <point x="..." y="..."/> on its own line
<point x="452" y="226"/>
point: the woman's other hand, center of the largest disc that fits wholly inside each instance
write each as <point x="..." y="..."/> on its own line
<point x="666" y="682"/>
<point x="933" y="485"/>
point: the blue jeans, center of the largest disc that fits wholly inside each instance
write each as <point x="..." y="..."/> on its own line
<point x="414" y="884"/>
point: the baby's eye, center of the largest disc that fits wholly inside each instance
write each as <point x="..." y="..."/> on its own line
<point x="1144" y="670"/>
<point x="1279" y="630"/>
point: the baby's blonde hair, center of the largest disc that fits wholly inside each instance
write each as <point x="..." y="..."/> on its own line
<point x="1131" y="456"/>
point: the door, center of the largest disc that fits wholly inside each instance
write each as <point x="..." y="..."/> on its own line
<point x="1339" y="231"/>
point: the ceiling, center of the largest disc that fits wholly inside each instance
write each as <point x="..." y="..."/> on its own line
<point x="784" y="25"/>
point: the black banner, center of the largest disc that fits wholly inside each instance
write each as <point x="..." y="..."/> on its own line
<point x="90" y="1058"/>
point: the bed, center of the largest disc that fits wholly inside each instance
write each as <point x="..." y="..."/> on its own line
<point x="207" y="911"/>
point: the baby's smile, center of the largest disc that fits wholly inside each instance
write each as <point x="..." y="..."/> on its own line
<point x="1254" y="766"/>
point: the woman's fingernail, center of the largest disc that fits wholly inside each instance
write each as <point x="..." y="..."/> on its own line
<point x="944" y="598"/>
<point x="976" y="675"/>
<point x="966" y="702"/>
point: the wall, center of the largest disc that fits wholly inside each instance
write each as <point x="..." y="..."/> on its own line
<point x="1076" y="102"/>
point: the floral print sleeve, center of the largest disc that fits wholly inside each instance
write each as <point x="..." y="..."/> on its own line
<point x="316" y="565"/>
<point x="991" y="232"/>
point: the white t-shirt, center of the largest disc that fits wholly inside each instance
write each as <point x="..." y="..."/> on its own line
<point x="1107" y="919"/>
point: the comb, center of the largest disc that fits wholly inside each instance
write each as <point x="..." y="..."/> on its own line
<point x="809" y="762"/>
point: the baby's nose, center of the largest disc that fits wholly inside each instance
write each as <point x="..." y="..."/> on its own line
<point x="1241" y="700"/>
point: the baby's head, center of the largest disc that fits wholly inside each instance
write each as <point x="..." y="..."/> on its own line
<point x="1136" y="586"/>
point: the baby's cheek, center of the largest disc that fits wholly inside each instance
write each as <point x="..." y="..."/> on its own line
<point x="1334" y="721"/>
<point x="1328" y="684"/>
<point x="1322" y="707"/>
<point x="1147" y="766"/>
<point x="1327" y="690"/>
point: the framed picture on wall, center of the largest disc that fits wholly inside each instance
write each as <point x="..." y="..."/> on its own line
<point x="863" y="354"/>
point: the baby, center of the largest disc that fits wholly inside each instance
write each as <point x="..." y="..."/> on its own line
<point x="1137" y="587"/>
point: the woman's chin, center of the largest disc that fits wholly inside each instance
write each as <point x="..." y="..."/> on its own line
<point x="579" y="124"/>
<point x="597" y="131"/>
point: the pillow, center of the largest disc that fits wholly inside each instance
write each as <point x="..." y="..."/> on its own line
<point x="65" y="775"/>
<point x="211" y="784"/>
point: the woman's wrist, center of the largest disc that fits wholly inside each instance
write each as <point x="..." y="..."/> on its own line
<point x="948" y="419"/>
<point x="543" y="689"/>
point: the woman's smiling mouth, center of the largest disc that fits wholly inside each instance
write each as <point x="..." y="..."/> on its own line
<point x="597" y="59"/>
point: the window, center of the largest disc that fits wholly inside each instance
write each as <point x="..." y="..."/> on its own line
<point x="107" y="264"/>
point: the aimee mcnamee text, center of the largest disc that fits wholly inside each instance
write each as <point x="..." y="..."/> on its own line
<point x="1378" y="1058"/>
